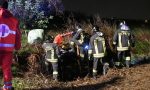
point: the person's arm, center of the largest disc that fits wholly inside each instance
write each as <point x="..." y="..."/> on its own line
<point x="18" y="38"/>
<point x="115" y="38"/>
<point x="75" y="37"/>
<point x="58" y="53"/>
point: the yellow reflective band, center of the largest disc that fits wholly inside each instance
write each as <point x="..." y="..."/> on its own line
<point x="119" y="38"/>
<point x="99" y="55"/>
<point x="82" y="37"/>
<point x="114" y="43"/>
<point x="52" y="54"/>
<point x="89" y="51"/>
<point x="52" y="60"/>
<point x="104" y="48"/>
<point x="117" y="63"/>
<point x="128" y="58"/>
<point x="122" y="48"/>
<point x="81" y="55"/>
<point x="94" y="70"/>
<point x="128" y="43"/>
<point x="72" y="43"/>
<point x="48" y="48"/>
<point x="96" y="47"/>
<point x="55" y="72"/>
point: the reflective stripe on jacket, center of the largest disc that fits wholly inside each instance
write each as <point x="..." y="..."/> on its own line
<point x="97" y="46"/>
<point x="50" y="49"/>
<point x="122" y="40"/>
<point x="10" y="36"/>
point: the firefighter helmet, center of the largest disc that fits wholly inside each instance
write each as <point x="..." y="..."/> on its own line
<point x="95" y="29"/>
<point x="124" y="27"/>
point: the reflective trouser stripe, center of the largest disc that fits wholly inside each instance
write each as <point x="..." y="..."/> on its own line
<point x="55" y="72"/>
<point x="81" y="55"/>
<point x="98" y="55"/>
<point x="94" y="70"/>
<point x="117" y="63"/>
<point x="52" y="60"/>
<point x="122" y="48"/>
<point x="114" y="43"/>
<point x="89" y="51"/>
<point x="128" y="58"/>
<point x="6" y="45"/>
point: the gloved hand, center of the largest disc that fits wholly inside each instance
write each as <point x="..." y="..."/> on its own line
<point x="70" y="50"/>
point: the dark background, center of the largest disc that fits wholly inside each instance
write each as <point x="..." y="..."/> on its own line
<point x="119" y="9"/>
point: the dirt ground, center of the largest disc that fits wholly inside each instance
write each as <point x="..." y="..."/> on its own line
<point x="136" y="77"/>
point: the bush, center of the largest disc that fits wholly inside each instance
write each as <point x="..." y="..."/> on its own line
<point x="35" y="13"/>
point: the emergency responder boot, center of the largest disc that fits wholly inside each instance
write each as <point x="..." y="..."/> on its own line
<point x="127" y="63"/>
<point x="105" y="68"/>
<point x="94" y="75"/>
<point x="55" y="77"/>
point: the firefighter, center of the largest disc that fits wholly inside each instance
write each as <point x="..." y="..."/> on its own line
<point x="122" y="41"/>
<point x="67" y="57"/>
<point x="10" y="41"/>
<point x="97" y="50"/>
<point x="51" y="56"/>
<point x="81" y="41"/>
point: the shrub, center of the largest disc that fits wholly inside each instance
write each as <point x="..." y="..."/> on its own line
<point x="35" y="13"/>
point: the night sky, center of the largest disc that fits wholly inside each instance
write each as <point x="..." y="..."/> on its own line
<point x="122" y="9"/>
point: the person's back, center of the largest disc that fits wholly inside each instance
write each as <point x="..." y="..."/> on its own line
<point x="97" y="43"/>
<point x="10" y="40"/>
<point x="122" y="41"/>
<point x="51" y="50"/>
<point x="97" y="49"/>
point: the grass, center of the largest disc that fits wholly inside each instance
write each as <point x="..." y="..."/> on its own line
<point x="142" y="47"/>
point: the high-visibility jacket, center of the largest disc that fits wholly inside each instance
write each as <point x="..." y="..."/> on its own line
<point x="123" y="40"/>
<point x="10" y="36"/>
<point x="97" y="46"/>
<point x="51" y="50"/>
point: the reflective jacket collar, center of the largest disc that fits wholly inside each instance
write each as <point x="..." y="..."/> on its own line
<point x="5" y="13"/>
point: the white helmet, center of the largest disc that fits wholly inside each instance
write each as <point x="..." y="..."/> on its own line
<point x="124" y="27"/>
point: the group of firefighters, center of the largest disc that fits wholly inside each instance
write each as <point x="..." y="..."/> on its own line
<point x="90" y="48"/>
<point x="86" y="47"/>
